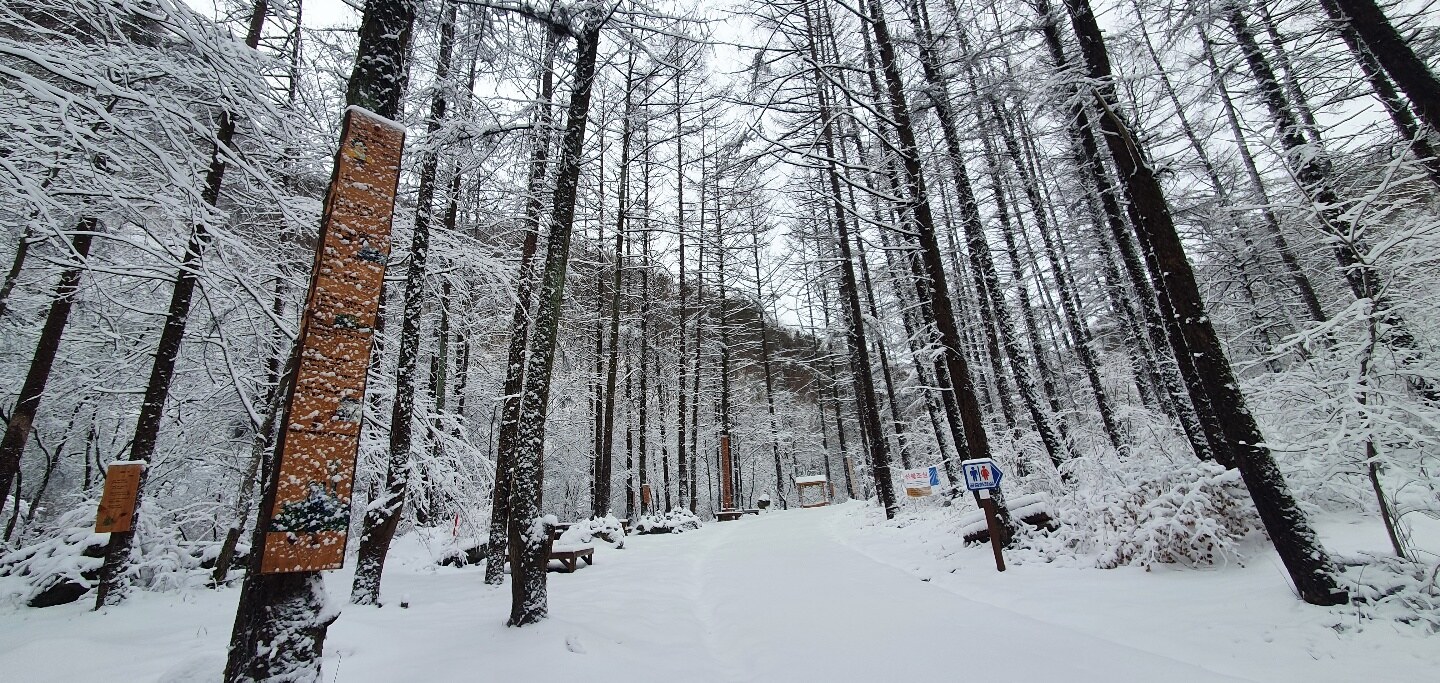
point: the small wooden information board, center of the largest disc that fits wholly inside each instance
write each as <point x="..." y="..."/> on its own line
<point x="310" y="518"/>
<point x="117" y="502"/>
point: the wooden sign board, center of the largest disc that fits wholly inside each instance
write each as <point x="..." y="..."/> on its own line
<point x="727" y="485"/>
<point x="310" y="518"/>
<point x="117" y="502"/>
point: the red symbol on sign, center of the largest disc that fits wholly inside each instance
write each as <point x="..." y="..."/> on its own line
<point x="984" y="473"/>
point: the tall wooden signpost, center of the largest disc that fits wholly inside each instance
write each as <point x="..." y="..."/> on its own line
<point x="304" y="516"/>
<point x="309" y="498"/>
<point x="727" y="481"/>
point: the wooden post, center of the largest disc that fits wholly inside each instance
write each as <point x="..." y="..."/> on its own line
<point x="727" y="485"/>
<point x="850" y="477"/>
<point x="992" y="522"/>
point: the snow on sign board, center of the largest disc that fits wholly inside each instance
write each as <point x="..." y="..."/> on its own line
<point x="310" y="515"/>
<point x="917" y="483"/>
<point x="981" y="473"/>
<point x="117" y="501"/>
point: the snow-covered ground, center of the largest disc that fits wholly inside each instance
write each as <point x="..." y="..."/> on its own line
<point x="828" y="594"/>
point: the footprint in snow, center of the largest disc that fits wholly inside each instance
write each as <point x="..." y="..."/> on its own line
<point x="572" y="643"/>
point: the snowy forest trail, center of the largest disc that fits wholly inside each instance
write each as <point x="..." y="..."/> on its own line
<point x="833" y="594"/>
<point x="783" y="589"/>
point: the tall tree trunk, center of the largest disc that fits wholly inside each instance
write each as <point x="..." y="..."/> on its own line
<point x="629" y="425"/>
<point x="682" y="459"/>
<point x="660" y="394"/>
<point x="22" y="418"/>
<point x="723" y="323"/>
<point x="643" y="441"/>
<point x="699" y="328"/>
<point x="520" y="323"/>
<point x="855" y="338"/>
<point x="597" y="394"/>
<point x="604" y="469"/>
<point x="1384" y="90"/>
<point x="766" y="368"/>
<point x="1299" y="549"/>
<point x="976" y="442"/>
<point x="382" y="519"/>
<point x="918" y="321"/>
<point x="529" y="534"/>
<point x="280" y="623"/>
<point x="1406" y="68"/>
<point x="113" y="585"/>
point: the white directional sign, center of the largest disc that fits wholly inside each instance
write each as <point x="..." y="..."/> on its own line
<point x="981" y="473"/>
<point x="917" y="483"/>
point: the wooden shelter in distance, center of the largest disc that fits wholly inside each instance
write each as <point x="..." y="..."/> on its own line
<point x="804" y="483"/>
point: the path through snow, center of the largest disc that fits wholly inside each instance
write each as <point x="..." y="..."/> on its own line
<point x="829" y="594"/>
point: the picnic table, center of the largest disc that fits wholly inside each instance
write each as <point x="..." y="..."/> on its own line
<point x="556" y="530"/>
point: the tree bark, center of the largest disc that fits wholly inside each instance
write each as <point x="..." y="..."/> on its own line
<point x="1308" y="564"/>
<point x="27" y="404"/>
<point x="529" y="534"/>
<point x="974" y="438"/>
<point x="1384" y="90"/>
<point x="280" y="622"/>
<point x="1393" y="52"/>
<point x="520" y="325"/>
<point x="855" y="338"/>
<point x="381" y="520"/>
<point x="604" y="469"/>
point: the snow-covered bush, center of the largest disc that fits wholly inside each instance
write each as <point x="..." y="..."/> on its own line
<point x="1195" y="515"/>
<point x="66" y="563"/>
<point x="1393" y="589"/>
<point x="675" y="521"/>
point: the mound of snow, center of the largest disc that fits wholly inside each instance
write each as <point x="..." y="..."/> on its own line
<point x="675" y="521"/>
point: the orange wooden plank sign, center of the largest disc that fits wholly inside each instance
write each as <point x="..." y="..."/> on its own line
<point x="310" y="519"/>
<point x="117" y="502"/>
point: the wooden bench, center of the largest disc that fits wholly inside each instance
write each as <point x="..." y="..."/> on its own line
<point x="571" y="558"/>
<point x="731" y="515"/>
